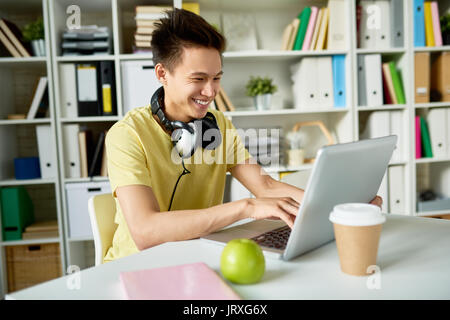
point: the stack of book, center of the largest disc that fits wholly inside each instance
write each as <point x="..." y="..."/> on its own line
<point x="427" y="28"/>
<point x="145" y="18"/>
<point x="318" y="29"/>
<point x="11" y="38"/>
<point x="40" y="230"/>
<point x="86" y="40"/>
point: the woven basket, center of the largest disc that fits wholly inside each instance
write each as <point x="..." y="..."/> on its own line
<point x="32" y="264"/>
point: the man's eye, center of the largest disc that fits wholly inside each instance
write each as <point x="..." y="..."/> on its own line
<point x="217" y="79"/>
<point x="198" y="79"/>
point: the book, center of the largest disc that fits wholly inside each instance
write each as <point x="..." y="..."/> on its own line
<point x="322" y="38"/>
<point x="287" y="33"/>
<point x="195" y="281"/>
<point x="95" y="166"/>
<point x="429" y="36"/>
<point x="304" y="20"/>
<point x="316" y="29"/>
<point x="38" y="97"/>
<point x="295" y="24"/>
<point x="40" y="230"/>
<point x="104" y="164"/>
<point x="229" y="105"/>
<point x="427" y="151"/>
<point x="85" y="146"/>
<point x="387" y="77"/>
<point x="397" y="82"/>
<point x="9" y="46"/>
<point x="418" y="138"/>
<point x="436" y="24"/>
<point x="151" y="9"/>
<point x="15" y="36"/>
<point x="220" y="103"/>
<point x="310" y="29"/>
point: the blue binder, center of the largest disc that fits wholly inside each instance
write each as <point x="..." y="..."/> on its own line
<point x="338" y="62"/>
<point x="419" y="23"/>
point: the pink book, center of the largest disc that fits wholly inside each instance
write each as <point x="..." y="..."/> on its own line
<point x="418" y="139"/>
<point x="310" y="29"/>
<point x="195" y="281"/>
<point x="436" y="24"/>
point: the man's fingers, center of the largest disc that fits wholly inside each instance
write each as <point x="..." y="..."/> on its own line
<point x="289" y="207"/>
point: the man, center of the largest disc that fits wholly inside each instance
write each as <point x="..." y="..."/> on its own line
<point x="157" y="199"/>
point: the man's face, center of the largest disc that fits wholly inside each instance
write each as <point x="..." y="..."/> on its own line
<point x="193" y="84"/>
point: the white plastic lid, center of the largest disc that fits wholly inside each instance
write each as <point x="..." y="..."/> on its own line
<point x="357" y="214"/>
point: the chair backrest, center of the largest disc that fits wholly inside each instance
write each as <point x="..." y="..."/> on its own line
<point x="102" y="210"/>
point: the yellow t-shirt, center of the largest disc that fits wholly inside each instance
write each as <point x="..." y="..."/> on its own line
<point x="140" y="152"/>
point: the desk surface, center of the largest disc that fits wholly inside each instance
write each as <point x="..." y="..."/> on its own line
<point x="413" y="257"/>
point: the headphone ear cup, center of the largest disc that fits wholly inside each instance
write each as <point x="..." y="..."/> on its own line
<point x="184" y="141"/>
<point x="211" y="136"/>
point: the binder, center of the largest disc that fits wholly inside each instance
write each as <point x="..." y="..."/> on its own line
<point x="389" y="83"/>
<point x="139" y="82"/>
<point x="304" y="19"/>
<point x="310" y="29"/>
<point x="378" y="125"/>
<point x="305" y="84"/>
<point x="397" y="82"/>
<point x="397" y="34"/>
<point x="316" y="29"/>
<point x="436" y="24"/>
<point x="427" y="151"/>
<point x="17" y="212"/>
<point x="107" y="88"/>
<point x="383" y="34"/>
<point x="95" y="166"/>
<point x="337" y="31"/>
<point x="68" y="89"/>
<point x="339" y="81"/>
<point x="419" y="23"/>
<point x="396" y="182"/>
<point x="374" y="82"/>
<point x="104" y="162"/>
<point x="320" y="45"/>
<point x="46" y="150"/>
<point x="194" y="281"/>
<point x="418" y="138"/>
<point x="367" y="35"/>
<point x="422" y="77"/>
<point x="396" y="127"/>
<point x="440" y="76"/>
<point x="324" y="83"/>
<point x="437" y="121"/>
<point x="87" y="91"/>
<point x="429" y="34"/>
<point x="384" y="194"/>
<point x="71" y="151"/>
<point x="362" y="92"/>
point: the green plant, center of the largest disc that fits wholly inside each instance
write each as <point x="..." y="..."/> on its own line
<point x="445" y="23"/>
<point x="258" y="85"/>
<point x="33" y="31"/>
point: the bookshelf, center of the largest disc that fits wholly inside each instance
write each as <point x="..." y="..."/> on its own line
<point x="271" y="17"/>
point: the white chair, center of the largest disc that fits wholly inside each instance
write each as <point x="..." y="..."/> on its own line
<point x="102" y="210"/>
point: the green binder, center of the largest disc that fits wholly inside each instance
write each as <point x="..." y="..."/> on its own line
<point x="304" y="20"/>
<point x="397" y="82"/>
<point x="16" y="211"/>
<point x="425" y="138"/>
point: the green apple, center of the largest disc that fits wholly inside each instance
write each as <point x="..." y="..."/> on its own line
<point x="242" y="261"/>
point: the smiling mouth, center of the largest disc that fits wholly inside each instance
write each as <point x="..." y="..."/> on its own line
<point x="202" y="102"/>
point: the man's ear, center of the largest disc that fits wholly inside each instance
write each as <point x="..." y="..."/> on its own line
<point x="161" y="73"/>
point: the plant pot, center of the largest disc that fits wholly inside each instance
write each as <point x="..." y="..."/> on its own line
<point x="263" y="101"/>
<point x="38" y="47"/>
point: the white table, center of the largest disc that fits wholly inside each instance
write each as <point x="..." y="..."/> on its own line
<point x="413" y="256"/>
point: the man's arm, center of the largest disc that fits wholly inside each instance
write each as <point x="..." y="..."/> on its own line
<point x="149" y="227"/>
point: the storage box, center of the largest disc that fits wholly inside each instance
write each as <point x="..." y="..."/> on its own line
<point x="433" y="205"/>
<point x="17" y="212"/>
<point x="78" y="195"/>
<point x="27" y="168"/>
<point x="32" y="264"/>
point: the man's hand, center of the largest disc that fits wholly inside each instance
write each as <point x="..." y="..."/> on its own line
<point x="284" y="208"/>
<point x="378" y="201"/>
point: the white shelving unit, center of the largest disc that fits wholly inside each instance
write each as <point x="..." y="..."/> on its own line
<point x="271" y="17"/>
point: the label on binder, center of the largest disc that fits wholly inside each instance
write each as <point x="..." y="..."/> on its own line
<point x="107" y="106"/>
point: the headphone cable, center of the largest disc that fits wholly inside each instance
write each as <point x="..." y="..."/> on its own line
<point x="185" y="171"/>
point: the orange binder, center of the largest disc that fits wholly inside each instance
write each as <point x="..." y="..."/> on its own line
<point x="440" y="76"/>
<point x="422" y="77"/>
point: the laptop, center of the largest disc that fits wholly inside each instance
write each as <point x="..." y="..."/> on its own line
<point x="342" y="173"/>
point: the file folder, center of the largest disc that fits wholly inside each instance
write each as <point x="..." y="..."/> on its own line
<point x="396" y="190"/>
<point x="108" y="88"/>
<point x="87" y="90"/>
<point x="427" y="151"/>
<point x="418" y="138"/>
<point x="367" y="34"/>
<point x="339" y="80"/>
<point x="396" y="127"/>
<point x="422" y="77"/>
<point x="384" y="194"/>
<point x="337" y="30"/>
<point x="440" y="76"/>
<point x="71" y="150"/>
<point x="383" y="34"/>
<point x="397" y="33"/>
<point x="46" y="149"/>
<point x="362" y="92"/>
<point x="68" y="89"/>
<point x="324" y="82"/>
<point x="429" y="34"/>
<point x="437" y="125"/>
<point x="419" y="23"/>
<point x="374" y="82"/>
<point x="17" y="212"/>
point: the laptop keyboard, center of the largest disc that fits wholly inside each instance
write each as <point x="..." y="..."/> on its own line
<point x="277" y="238"/>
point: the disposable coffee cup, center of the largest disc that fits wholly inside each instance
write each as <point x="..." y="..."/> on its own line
<point x="357" y="229"/>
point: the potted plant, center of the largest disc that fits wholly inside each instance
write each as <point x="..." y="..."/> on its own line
<point x="34" y="33"/>
<point x="445" y="29"/>
<point x="261" y="89"/>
